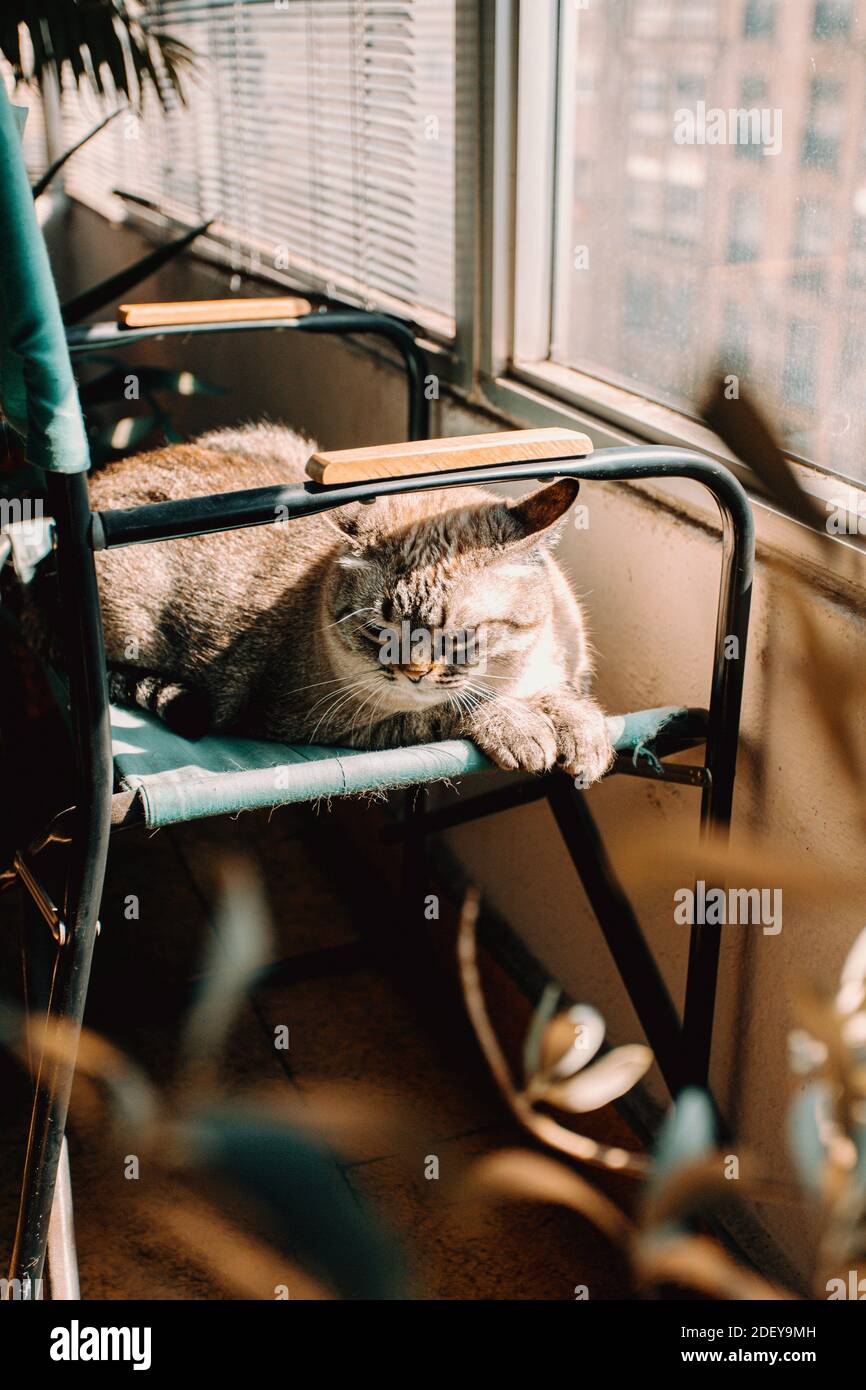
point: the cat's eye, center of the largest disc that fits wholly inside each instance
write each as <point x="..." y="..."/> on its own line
<point x="509" y="623"/>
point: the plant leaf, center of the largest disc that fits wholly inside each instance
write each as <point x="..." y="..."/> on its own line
<point x="852" y="980"/>
<point x="53" y="169"/>
<point x="295" y="1183"/>
<point x="582" y="1029"/>
<point x="808" y="1117"/>
<point x="688" y="1132"/>
<point x="91" y="35"/>
<point x="127" y="433"/>
<point x="696" y="1262"/>
<point x="606" y="1080"/>
<point x="541" y="1016"/>
<point x="521" y="1174"/>
<point x="237" y="952"/>
<point x="696" y="1188"/>
<point x="89" y="300"/>
<point x="805" y="1053"/>
<point x="110" y="385"/>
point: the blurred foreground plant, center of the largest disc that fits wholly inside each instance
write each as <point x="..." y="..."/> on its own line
<point x="250" y="1188"/>
<point x="689" y="1181"/>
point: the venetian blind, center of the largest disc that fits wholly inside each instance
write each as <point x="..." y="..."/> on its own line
<point x="318" y="133"/>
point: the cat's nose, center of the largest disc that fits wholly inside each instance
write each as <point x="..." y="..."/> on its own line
<point x="416" y="673"/>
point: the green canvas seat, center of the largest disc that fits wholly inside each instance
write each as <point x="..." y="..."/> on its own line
<point x="180" y="780"/>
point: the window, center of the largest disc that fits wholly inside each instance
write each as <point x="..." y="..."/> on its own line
<point x="735" y="338"/>
<point x="645" y="197"/>
<point x="672" y="186"/>
<point x="825" y="124"/>
<point x="649" y="100"/>
<point x="746" y="225"/>
<point x="708" y="239"/>
<point x="857" y="252"/>
<point x="800" y="372"/>
<point x="683" y="221"/>
<point x="759" y="19"/>
<point x="321" y="138"/>
<point x="638" y="304"/>
<point x="813" y="243"/>
<point x="753" y="95"/>
<point x="832" y="19"/>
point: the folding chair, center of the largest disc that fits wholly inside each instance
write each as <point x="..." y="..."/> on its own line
<point x="128" y="767"/>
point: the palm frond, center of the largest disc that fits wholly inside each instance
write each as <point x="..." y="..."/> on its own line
<point x="53" y="170"/>
<point x="97" y="40"/>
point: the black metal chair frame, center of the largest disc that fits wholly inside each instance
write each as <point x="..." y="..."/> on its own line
<point x="682" y="1048"/>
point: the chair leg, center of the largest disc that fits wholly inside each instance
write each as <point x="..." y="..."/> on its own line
<point x="413" y="877"/>
<point x="46" y="1137"/>
<point x="85" y="665"/>
<point x="615" y="915"/>
<point x="62" y="1256"/>
<point x="723" y="731"/>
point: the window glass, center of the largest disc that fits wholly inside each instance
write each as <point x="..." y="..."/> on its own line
<point x="718" y="184"/>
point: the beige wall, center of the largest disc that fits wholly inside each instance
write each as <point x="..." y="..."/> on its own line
<point x="649" y="579"/>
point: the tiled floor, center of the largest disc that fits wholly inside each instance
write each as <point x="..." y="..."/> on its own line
<point x="379" y="1025"/>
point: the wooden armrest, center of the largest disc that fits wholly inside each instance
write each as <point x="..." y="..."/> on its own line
<point x="442" y="455"/>
<point x="210" y="311"/>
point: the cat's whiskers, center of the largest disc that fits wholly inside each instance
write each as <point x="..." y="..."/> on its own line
<point x="374" y="712"/>
<point x="464" y="701"/>
<point x="523" y="716"/>
<point x="340" y="698"/>
<point x="368" y="608"/>
<point x="370" y="697"/>
<point x="312" y="686"/>
<point x="346" y="684"/>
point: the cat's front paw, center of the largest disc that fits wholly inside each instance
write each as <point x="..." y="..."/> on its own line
<point x="583" y="746"/>
<point x="522" y="741"/>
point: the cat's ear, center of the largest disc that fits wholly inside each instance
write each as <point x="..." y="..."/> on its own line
<point x="539" y="516"/>
<point x="351" y="523"/>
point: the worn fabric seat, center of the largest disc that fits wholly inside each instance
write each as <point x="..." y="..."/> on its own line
<point x="179" y="780"/>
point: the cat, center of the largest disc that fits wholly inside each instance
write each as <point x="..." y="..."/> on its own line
<point x="413" y="618"/>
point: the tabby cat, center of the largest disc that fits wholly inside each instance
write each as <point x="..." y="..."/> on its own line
<point x="426" y="616"/>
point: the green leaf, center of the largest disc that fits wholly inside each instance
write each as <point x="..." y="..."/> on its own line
<point x="74" y="43"/>
<point x="687" y="1133"/>
<point x="121" y="435"/>
<point x="238" y="951"/>
<point x="544" y="1012"/>
<point x="53" y="169"/>
<point x="113" y="34"/>
<point x="808" y="1149"/>
<point x="296" y="1185"/>
<point x="89" y="300"/>
<point x="99" y="36"/>
<point x="40" y="55"/>
<point x="10" y="45"/>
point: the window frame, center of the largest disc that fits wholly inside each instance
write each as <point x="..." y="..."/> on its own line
<point x="505" y="301"/>
<point x="509" y="104"/>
